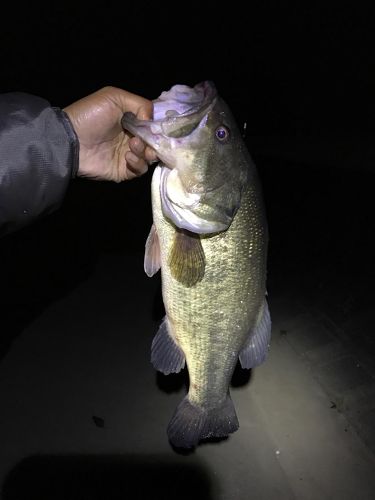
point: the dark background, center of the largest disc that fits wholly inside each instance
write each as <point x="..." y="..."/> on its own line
<point x="301" y="77"/>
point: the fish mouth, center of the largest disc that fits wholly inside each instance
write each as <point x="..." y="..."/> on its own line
<point x="177" y="113"/>
<point x="176" y="133"/>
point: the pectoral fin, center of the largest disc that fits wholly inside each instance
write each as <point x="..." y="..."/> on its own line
<point x="152" y="260"/>
<point x="187" y="261"/>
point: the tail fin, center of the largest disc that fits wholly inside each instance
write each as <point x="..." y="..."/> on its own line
<point x="191" y="423"/>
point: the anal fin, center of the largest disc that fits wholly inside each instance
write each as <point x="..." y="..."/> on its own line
<point x="166" y="356"/>
<point x="256" y="347"/>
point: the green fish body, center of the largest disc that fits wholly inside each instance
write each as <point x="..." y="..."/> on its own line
<point x="209" y="238"/>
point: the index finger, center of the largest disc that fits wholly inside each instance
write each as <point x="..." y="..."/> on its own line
<point x="140" y="106"/>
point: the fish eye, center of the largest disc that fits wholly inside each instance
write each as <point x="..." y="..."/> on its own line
<point x="222" y="133"/>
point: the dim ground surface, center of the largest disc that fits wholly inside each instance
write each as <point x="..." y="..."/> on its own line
<point x="84" y="414"/>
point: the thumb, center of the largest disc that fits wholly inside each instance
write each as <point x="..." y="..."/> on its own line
<point x="127" y="101"/>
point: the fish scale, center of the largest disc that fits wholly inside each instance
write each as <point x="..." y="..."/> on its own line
<point x="209" y="238"/>
<point x="212" y="320"/>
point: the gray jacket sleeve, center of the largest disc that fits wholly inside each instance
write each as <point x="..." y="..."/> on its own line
<point x="38" y="157"/>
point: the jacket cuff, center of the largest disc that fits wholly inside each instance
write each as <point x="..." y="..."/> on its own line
<point x="72" y="137"/>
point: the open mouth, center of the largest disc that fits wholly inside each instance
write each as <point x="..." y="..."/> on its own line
<point x="177" y="113"/>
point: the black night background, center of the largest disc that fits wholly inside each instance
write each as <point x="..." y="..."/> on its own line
<point x="302" y="78"/>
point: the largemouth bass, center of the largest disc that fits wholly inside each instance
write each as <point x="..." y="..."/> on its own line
<point x="209" y="237"/>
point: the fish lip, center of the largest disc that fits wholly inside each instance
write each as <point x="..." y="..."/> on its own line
<point x="154" y="131"/>
<point x="146" y="130"/>
<point x="194" y="114"/>
<point x="205" y="91"/>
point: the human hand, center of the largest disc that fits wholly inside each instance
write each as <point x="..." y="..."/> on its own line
<point x="106" y="151"/>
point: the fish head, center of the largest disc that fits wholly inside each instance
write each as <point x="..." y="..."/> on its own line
<point x="205" y="162"/>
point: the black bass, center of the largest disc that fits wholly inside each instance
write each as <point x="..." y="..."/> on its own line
<point x="209" y="237"/>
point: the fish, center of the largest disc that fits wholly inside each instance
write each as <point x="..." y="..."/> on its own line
<point x="209" y="237"/>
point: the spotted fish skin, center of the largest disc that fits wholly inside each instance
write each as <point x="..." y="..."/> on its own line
<point x="206" y="194"/>
<point x="211" y="321"/>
